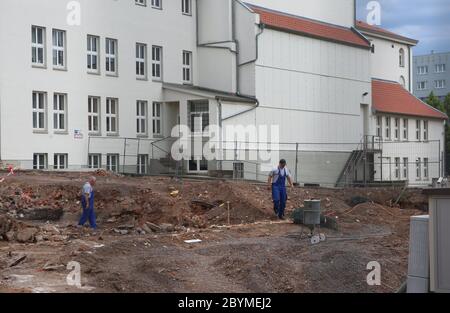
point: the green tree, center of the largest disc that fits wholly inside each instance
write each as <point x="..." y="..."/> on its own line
<point x="446" y="104"/>
<point x="435" y="102"/>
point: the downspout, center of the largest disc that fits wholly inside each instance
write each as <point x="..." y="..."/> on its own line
<point x="409" y="69"/>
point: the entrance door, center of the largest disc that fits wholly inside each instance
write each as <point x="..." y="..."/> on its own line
<point x="198" y="166"/>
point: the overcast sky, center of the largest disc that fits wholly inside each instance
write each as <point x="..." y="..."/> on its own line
<point x="425" y="20"/>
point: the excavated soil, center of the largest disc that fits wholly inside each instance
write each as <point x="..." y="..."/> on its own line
<point x="144" y="223"/>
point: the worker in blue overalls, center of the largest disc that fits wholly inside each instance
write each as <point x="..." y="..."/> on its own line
<point x="87" y="202"/>
<point x="277" y="182"/>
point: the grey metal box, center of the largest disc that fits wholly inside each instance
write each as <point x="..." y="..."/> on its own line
<point x="419" y="255"/>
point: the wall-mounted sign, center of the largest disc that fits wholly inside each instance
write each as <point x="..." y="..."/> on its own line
<point x="77" y="134"/>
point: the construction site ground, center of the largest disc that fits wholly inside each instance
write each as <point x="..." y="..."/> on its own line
<point x="144" y="223"/>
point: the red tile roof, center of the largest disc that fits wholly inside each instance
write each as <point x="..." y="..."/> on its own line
<point x="308" y="27"/>
<point x="391" y="97"/>
<point x="362" y="26"/>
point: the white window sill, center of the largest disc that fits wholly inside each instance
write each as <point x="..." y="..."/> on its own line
<point x="61" y="132"/>
<point x="93" y="72"/>
<point x="112" y="74"/>
<point x="141" y="78"/>
<point x="58" y="68"/>
<point x="41" y="66"/>
<point x="112" y="134"/>
<point x="38" y="131"/>
<point x="95" y="134"/>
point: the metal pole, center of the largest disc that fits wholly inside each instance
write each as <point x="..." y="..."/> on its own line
<point x="296" y="163"/>
<point x="124" y="154"/>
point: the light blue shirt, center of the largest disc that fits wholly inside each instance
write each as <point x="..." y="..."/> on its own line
<point x="276" y="172"/>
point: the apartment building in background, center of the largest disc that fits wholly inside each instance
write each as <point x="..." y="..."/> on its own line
<point x="107" y="93"/>
<point x="432" y="74"/>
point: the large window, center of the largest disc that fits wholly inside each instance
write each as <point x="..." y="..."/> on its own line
<point x="60" y="161"/>
<point x="94" y="115"/>
<point x="440" y="68"/>
<point x="95" y="161"/>
<point x="397" y="129"/>
<point x="387" y="132"/>
<point x="40" y="161"/>
<point x="60" y="112"/>
<point x="187" y="67"/>
<point x="422" y="70"/>
<point x="419" y="168"/>
<point x="379" y="128"/>
<point x="439" y="84"/>
<point x="38" y="46"/>
<point x="141" y="61"/>
<point x="93" y="56"/>
<point x="397" y="168"/>
<point x="112" y="116"/>
<point x="111" y="56"/>
<point x="142" y="167"/>
<point x="157" y="4"/>
<point x="401" y="54"/>
<point x="39" y="111"/>
<point x="418" y="130"/>
<point x="157" y="119"/>
<point x="405" y="168"/>
<point x="425" y="168"/>
<point x="186" y="7"/>
<point x="59" y="49"/>
<point x="141" y="118"/>
<point x="405" y="129"/>
<point x="199" y="117"/>
<point x="425" y="130"/>
<point x="156" y="63"/>
<point x="423" y="85"/>
<point x="112" y="162"/>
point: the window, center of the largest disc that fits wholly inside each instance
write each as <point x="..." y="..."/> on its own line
<point x="60" y="161"/>
<point x="379" y="122"/>
<point x="402" y="81"/>
<point x="439" y="84"/>
<point x="40" y="161"/>
<point x="112" y="162"/>
<point x="388" y="129"/>
<point x="402" y="57"/>
<point x="422" y="70"/>
<point x="187" y="67"/>
<point x="111" y="56"/>
<point x="141" y="118"/>
<point x="112" y="109"/>
<point x="60" y="112"/>
<point x="238" y="170"/>
<point x="418" y="130"/>
<point x="141" y="2"/>
<point x="156" y="62"/>
<point x="372" y="48"/>
<point x="425" y="168"/>
<point x="156" y="120"/>
<point x="422" y="85"/>
<point x="38" y="46"/>
<point x="59" y="49"/>
<point x="440" y="68"/>
<point x="199" y="116"/>
<point x="425" y="130"/>
<point x="418" y="168"/>
<point x="397" y="168"/>
<point x="186" y="7"/>
<point x="141" y="56"/>
<point x="157" y="4"/>
<point x="397" y="129"/>
<point x="95" y="161"/>
<point x="405" y="168"/>
<point x="39" y="111"/>
<point x="142" y="167"/>
<point x="93" y="43"/>
<point x="94" y="115"/>
<point x="405" y="129"/>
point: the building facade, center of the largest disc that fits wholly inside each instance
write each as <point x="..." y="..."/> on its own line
<point x="107" y="84"/>
<point x="432" y="74"/>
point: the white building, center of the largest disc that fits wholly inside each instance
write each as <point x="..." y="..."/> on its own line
<point x="107" y="90"/>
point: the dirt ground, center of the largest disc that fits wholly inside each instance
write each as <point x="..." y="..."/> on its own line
<point x="144" y="222"/>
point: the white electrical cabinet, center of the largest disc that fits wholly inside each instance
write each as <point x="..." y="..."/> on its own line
<point x="419" y="256"/>
<point x="439" y="205"/>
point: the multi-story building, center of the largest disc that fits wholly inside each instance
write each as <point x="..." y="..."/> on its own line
<point x="105" y="84"/>
<point x="432" y="74"/>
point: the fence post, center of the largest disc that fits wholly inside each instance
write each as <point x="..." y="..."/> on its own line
<point x="124" y="155"/>
<point x="296" y="163"/>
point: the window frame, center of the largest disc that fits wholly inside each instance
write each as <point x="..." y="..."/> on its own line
<point x="109" y="165"/>
<point x="418" y="130"/>
<point x="141" y="2"/>
<point x="36" y="46"/>
<point x="426" y="133"/>
<point x="92" y="115"/>
<point x="387" y="128"/>
<point x="157" y="63"/>
<point x="142" y="167"/>
<point x="57" y="161"/>
<point x="187" y="68"/>
<point x="405" y="130"/>
<point x="109" y="56"/>
<point x="37" y="111"/>
<point x="419" y="169"/>
<point x="406" y="168"/>
<point x="141" y="61"/>
<point x="397" y="129"/>
<point x="402" y="58"/>
<point x="186" y="10"/>
<point x="439" y="84"/>
<point x="56" y="49"/>
<point x="36" y="161"/>
<point x="156" y="4"/>
<point x="142" y="119"/>
<point x="426" y="168"/>
<point x="91" y="54"/>
<point x="397" y="164"/>
<point x="157" y="118"/>
<point x="112" y="117"/>
<point x="379" y="126"/>
<point x="422" y="85"/>
<point x="91" y="158"/>
<point x="440" y="68"/>
<point x="57" y="112"/>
